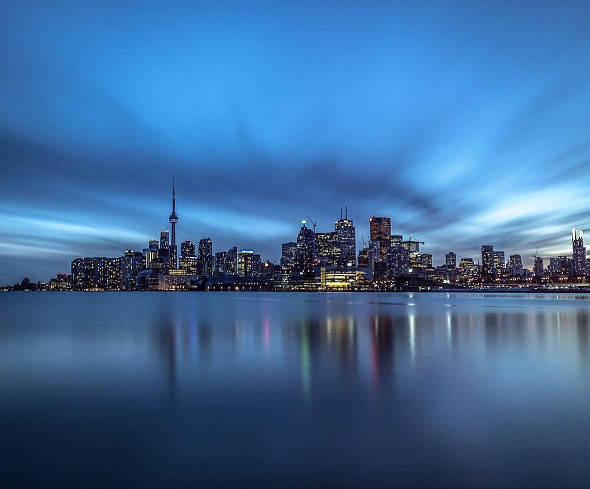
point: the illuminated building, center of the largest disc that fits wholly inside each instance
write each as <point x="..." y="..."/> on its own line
<point x="399" y="261"/>
<point x="131" y="264"/>
<point x="538" y="267"/>
<point x="164" y="249"/>
<point x="306" y="249"/>
<point x="288" y="257"/>
<point x="173" y="219"/>
<point x="248" y="264"/>
<point x="515" y="265"/>
<point x="220" y="263"/>
<point x="380" y="231"/>
<point x="187" y="248"/>
<point x="206" y="255"/>
<point x="451" y="260"/>
<point x="232" y="261"/>
<point x="487" y="261"/>
<point x="579" y="252"/>
<point x="338" y="278"/>
<point x="190" y="265"/>
<point x="328" y="246"/>
<point x="83" y="277"/>
<point x="346" y="233"/>
<point x="499" y="262"/>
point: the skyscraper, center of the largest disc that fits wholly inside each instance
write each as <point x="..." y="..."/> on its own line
<point x="306" y="249"/>
<point x="451" y="260"/>
<point x="487" y="261"/>
<point x="346" y="233"/>
<point x="380" y="231"/>
<point x="173" y="220"/>
<point x="579" y="252"/>
<point x="206" y="255"/>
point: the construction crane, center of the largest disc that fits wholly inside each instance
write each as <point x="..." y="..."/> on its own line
<point x="313" y="223"/>
<point x="415" y="241"/>
<point x="536" y="253"/>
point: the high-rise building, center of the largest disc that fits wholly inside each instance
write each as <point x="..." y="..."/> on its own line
<point x="499" y="261"/>
<point x="515" y="267"/>
<point x="131" y="264"/>
<point x="329" y="251"/>
<point x="164" y="250"/>
<point x="206" y="255"/>
<point x="451" y="260"/>
<point x="187" y="248"/>
<point x="221" y="263"/>
<point x="380" y="231"/>
<point x="248" y="264"/>
<point x="306" y="249"/>
<point x="173" y="219"/>
<point x="232" y="261"/>
<point x="288" y="257"/>
<point x="346" y="233"/>
<point x="579" y="252"/>
<point x="487" y="261"/>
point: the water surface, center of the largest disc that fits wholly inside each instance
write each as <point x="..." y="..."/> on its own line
<point x="294" y="390"/>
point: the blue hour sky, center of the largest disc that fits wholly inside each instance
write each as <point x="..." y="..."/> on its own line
<point x="465" y="122"/>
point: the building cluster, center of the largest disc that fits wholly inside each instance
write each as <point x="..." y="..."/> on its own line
<point x="319" y="261"/>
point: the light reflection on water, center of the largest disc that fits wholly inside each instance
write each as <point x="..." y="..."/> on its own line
<point x="359" y="390"/>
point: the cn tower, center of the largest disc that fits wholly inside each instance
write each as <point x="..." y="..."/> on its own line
<point x="173" y="220"/>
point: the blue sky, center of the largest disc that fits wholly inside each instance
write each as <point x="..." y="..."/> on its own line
<point x="466" y="122"/>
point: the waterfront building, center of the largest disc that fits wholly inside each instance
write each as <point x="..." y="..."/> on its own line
<point x="232" y="261"/>
<point x="578" y="252"/>
<point x="306" y="249"/>
<point x="380" y="232"/>
<point x="248" y="264"/>
<point x="487" y="261"/>
<point x="329" y="250"/>
<point x="451" y="260"/>
<point x="345" y="230"/>
<point x="206" y="255"/>
<point x="131" y="264"/>
<point x="499" y="262"/>
<point x="187" y="248"/>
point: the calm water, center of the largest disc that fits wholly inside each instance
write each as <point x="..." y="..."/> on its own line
<point x="294" y="390"/>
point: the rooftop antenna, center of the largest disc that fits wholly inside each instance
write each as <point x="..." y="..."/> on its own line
<point x="346" y="213"/>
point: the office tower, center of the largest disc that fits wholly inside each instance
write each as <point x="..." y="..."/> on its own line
<point x="399" y="261"/>
<point x="380" y="231"/>
<point x="83" y="274"/>
<point x="426" y="260"/>
<point x="206" y="255"/>
<point x="131" y="264"/>
<point x="499" y="261"/>
<point x="467" y="263"/>
<point x="153" y="244"/>
<point x="451" y="260"/>
<point x="173" y="219"/>
<point x="220" y="263"/>
<point x="306" y="249"/>
<point x="487" y="261"/>
<point x="515" y="265"/>
<point x="248" y="264"/>
<point x="232" y="261"/>
<point x="329" y="251"/>
<point x="579" y="252"/>
<point x="396" y="239"/>
<point x="187" y="248"/>
<point x="288" y="257"/>
<point x="346" y="233"/>
<point x="164" y="250"/>
<point x="190" y="265"/>
<point x="538" y="267"/>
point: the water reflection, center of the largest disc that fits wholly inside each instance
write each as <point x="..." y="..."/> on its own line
<point x="376" y="387"/>
<point x="361" y="350"/>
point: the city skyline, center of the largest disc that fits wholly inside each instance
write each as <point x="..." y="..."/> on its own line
<point x="465" y="125"/>
<point x="385" y="259"/>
